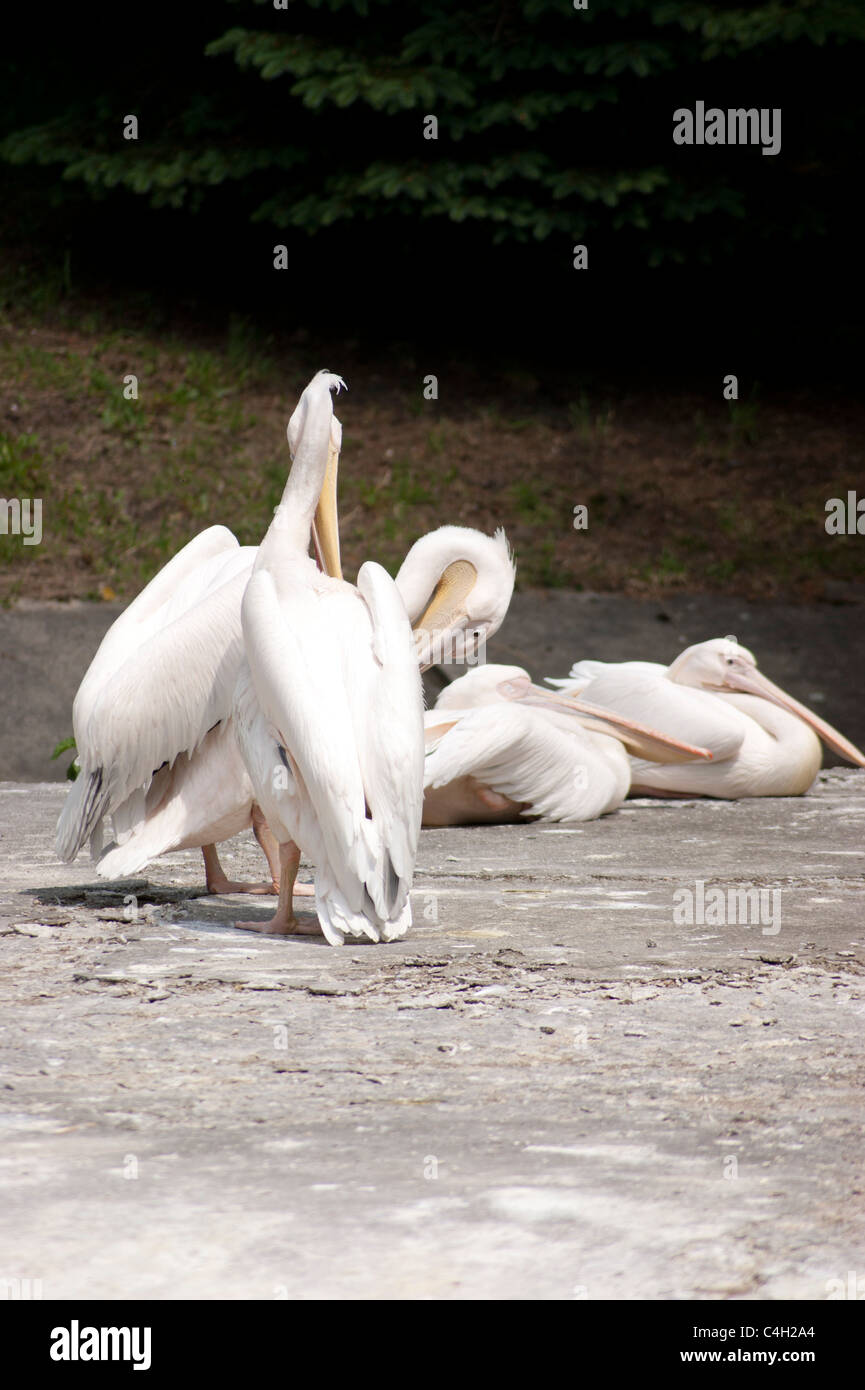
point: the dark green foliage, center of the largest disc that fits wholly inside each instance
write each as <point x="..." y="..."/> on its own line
<point x="63" y="747"/>
<point x="552" y="122"/>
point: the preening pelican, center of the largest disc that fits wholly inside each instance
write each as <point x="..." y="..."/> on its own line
<point x="763" y="742"/>
<point x="456" y="583"/>
<point x="329" y="711"/>
<point x="152" y="717"/>
<point x="500" y="749"/>
<point x="473" y="578"/>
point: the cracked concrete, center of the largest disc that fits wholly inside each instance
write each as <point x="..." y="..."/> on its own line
<point x="551" y="1088"/>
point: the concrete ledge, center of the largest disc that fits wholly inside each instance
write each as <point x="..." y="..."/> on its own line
<point x="815" y="652"/>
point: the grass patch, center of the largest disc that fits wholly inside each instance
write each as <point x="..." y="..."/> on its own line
<point x="684" y="492"/>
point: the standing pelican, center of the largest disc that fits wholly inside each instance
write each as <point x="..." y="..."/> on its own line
<point x="329" y="713"/>
<point x="763" y="742"/>
<point x="152" y="717"/>
<point x="500" y="749"/>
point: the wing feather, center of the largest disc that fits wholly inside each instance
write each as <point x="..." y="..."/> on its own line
<point x="695" y="716"/>
<point x="338" y="685"/>
<point x="295" y="661"/>
<point x="391" y="740"/>
<point x="530" y="756"/>
<point x="163" y="676"/>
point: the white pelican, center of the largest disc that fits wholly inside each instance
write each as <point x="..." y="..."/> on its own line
<point x="158" y="693"/>
<point x="763" y="742"/>
<point x="474" y="580"/>
<point x="329" y="714"/>
<point x="500" y="749"/>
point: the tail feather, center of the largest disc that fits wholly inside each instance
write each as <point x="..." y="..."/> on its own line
<point x="399" y="925"/>
<point x="391" y="884"/>
<point x="385" y="889"/>
<point x="82" y="814"/>
<point x="339" y="920"/>
<point x="122" y="861"/>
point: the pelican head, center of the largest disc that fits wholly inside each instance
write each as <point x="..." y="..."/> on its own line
<point x="325" y="525"/>
<point x="722" y="665"/>
<point x="456" y="581"/>
<point x="715" y="665"/>
<point x="322" y="380"/>
<point x="480" y="686"/>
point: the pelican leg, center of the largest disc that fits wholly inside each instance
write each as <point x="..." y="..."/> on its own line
<point x="218" y="881"/>
<point x="270" y="849"/>
<point x="284" y="922"/>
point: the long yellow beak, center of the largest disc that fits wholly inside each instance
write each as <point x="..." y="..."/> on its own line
<point x="445" y="616"/>
<point x="325" y="526"/>
<point x="639" y="739"/>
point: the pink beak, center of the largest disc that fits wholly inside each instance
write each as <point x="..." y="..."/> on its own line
<point x="639" y="739"/>
<point x="755" y="683"/>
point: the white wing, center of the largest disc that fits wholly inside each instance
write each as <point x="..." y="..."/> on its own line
<point x="203" y="799"/>
<point x="582" y="673"/>
<point x="339" y="691"/>
<point x="694" y="716"/>
<point x="389" y="729"/>
<point x="163" y="676"/>
<point x="530" y="756"/>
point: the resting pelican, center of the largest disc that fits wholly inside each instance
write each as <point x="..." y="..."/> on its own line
<point x="329" y="712"/>
<point x="763" y="742"/>
<point x="158" y="693"/>
<point x="500" y="749"/>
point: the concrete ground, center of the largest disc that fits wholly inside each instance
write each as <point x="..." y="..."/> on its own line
<point x="551" y="1089"/>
